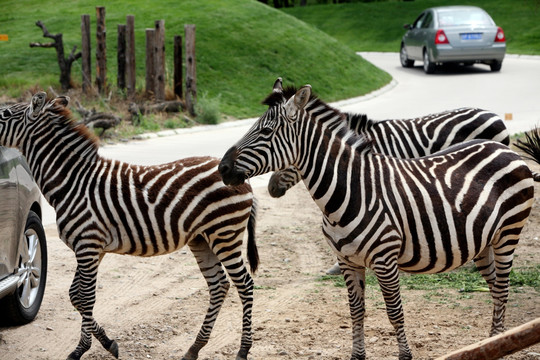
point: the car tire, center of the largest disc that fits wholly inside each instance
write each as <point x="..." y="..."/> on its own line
<point x="495" y="65"/>
<point x="22" y="306"/>
<point x="404" y="59"/>
<point x="429" y="66"/>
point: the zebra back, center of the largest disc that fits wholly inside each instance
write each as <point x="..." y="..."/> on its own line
<point x="412" y="138"/>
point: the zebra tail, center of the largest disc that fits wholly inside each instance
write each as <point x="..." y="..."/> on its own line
<point x="252" y="252"/>
<point x="531" y="147"/>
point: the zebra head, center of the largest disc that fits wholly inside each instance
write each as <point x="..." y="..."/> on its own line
<point x="17" y="121"/>
<point x="271" y="142"/>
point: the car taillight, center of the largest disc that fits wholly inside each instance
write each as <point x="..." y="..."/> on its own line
<point x="499" y="37"/>
<point x="440" y="37"/>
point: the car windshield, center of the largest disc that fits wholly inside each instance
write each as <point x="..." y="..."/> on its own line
<point x="463" y="17"/>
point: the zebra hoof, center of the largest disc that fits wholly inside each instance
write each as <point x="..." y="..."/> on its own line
<point x="113" y="349"/>
<point x="73" y="356"/>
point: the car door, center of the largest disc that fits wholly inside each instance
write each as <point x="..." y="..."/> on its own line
<point x="9" y="210"/>
<point x="414" y="39"/>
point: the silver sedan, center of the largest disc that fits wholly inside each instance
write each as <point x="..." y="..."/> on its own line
<point x="23" y="248"/>
<point x="453" y="34"/>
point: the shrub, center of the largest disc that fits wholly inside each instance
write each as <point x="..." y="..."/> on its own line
<point x="207" y="109"/>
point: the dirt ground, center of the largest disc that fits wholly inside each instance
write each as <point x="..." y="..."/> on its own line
<point x="154" y="307"/>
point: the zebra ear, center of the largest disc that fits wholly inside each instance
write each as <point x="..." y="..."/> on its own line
<point x="302" y="96"/>
<point x="37" y="103"/>
<point x="298" y="101"/>
<point x="60" y="102"/>
<point x="278" y="85"/>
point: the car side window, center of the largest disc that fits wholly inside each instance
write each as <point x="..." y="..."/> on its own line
<point x="427" y="21"/>
<point x="418" y="22"/>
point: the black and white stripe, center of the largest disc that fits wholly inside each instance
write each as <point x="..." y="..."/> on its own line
<point x="107" y="206"/>
<point x="424" y="215"/>
<point x="411" y="138"/>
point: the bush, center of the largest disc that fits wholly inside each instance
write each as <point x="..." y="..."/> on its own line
<point x="207" y="109"/>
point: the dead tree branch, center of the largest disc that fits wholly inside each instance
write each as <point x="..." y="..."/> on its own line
<point x="95" y="119"/>
<point x="63" y="62"/>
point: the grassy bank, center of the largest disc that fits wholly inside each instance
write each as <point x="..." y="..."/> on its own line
<point x="241" y="48"/>
<point x="378" y="26"/>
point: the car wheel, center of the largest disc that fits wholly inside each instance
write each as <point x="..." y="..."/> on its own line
<point x="22" y="306"/>
<point x="429" y="66"/>
<point x="495" y="65"/>
<point x="404" y="59"/>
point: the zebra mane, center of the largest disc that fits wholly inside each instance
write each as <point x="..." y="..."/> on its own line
<point x="280" y="97"/>
<point x="67" y="126"/>
<point x="353" y="123"/>
<point x="358" y="122"/>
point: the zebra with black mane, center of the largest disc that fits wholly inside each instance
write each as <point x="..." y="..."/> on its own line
<point x="424" y="215"/>
<point x="410" y="138"/>
<point x="108" y="206"/>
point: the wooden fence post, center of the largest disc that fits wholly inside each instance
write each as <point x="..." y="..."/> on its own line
<point x="85" y="54"/>
<point x="178" y="66"/>
<point x="150" y="67"/>
<point x="130" y="56"/>
<point x="101" y="52"/>
<point x="191" y="75"/>
<point x="500" y="345"/>
<point x="159" y="60"/>
<point x="121" y="57"/>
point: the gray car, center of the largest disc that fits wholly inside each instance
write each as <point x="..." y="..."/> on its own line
<point x="23" y="248"/>
<point x="453" y="34"/>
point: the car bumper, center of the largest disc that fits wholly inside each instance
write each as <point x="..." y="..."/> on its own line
<point x="447" y="53"/>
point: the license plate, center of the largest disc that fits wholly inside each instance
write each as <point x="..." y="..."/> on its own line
<point x="471" y="36"/>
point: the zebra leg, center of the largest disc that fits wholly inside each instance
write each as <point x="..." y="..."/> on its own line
<point x="485" y="263"/>
<point x="218" y="286"/>
<point x="387" y="273"/>
<point x="82" y="295"/>
<point x="356" y="284"/>
<point x="230" y="256"/>
<point x="499" y="291"/>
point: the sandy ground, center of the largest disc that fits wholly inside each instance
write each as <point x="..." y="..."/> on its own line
<point x="153" y="307"/>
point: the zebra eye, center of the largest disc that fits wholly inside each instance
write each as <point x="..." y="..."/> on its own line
<point x="266" y="131"/>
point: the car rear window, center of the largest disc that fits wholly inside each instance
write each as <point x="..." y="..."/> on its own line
<point x="463" y="17"/>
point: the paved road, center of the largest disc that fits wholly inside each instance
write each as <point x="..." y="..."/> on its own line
<point x="515" y="90"/>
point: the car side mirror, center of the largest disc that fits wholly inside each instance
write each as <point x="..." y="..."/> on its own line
<point x="407" y="26"/>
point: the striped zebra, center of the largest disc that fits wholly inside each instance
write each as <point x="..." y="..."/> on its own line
<point x="410" y="138"/>
<point x="108" y="206"/>
<point x="426" y="215"/>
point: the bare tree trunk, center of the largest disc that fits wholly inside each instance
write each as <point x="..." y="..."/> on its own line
<point x="191" y="74"/>
<point x="86" y="58"/>
<point x="101" y="57"/>
<point x="131" y="76"/>
<point x="63" y="62"/>
<point x="121" y="57"/>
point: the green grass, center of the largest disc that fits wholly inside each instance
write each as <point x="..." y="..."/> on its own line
<point x="242" y="46"/>
<point x="378" y="26"/>
<point x="464" y="279"/>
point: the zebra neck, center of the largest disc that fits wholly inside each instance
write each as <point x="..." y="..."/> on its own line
<point x="58" y="159"/>
<point x="331" y="155"/>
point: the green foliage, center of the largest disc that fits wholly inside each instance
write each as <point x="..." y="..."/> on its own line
<point x="465" y="279"/>
<point x="242" y="46"/>
<point x="207" y="109"/>
<point x="147" y="124"/>
<point x="378" y="26"/>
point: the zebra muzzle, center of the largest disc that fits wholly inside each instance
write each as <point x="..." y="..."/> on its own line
<point x="229" y="173"/>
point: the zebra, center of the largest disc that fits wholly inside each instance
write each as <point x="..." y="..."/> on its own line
<point x="410" y="138"/>
<point x="425" y="215"/>
<point x="108" y="206"/>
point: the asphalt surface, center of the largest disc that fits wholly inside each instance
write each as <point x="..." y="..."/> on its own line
<point x="514" y="92"/>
